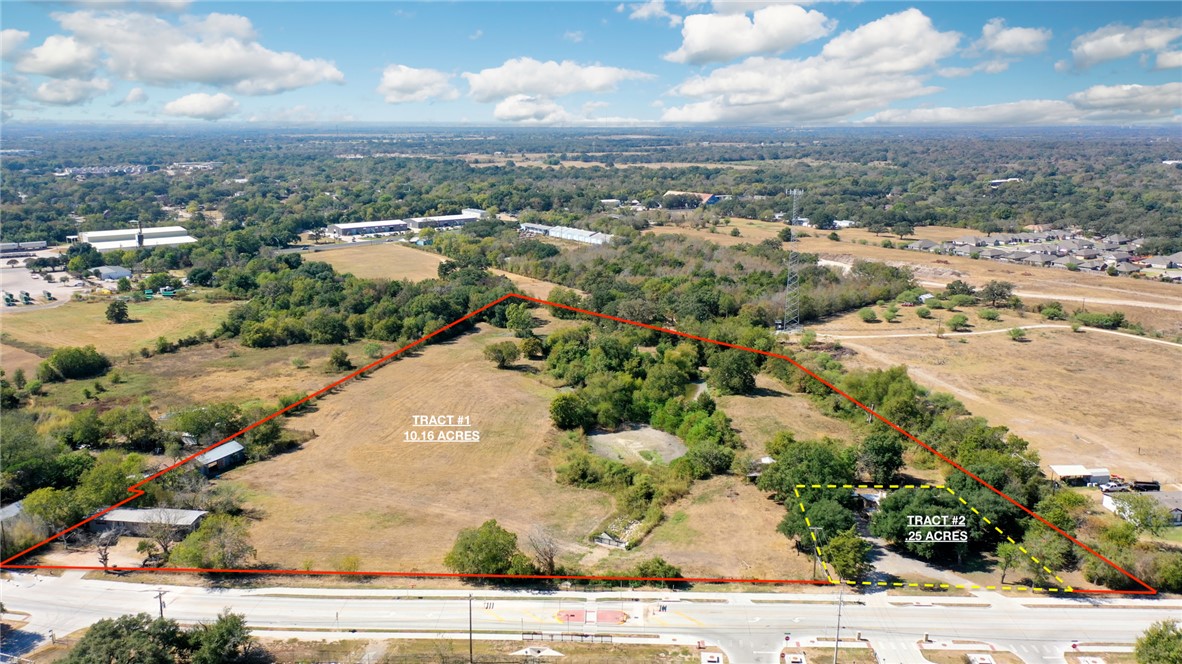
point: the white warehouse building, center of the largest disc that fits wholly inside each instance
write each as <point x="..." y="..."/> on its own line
<point x="130" y="238"/>
<point x="367" y="228"/>
<point x="466" y="216"/>
<point x="568" y="233"/>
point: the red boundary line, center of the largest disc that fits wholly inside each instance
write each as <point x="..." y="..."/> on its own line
<point x="136" y="491"/>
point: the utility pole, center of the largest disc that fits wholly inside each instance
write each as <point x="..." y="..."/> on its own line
<point x="837" y="640"/>
<point x="160" y="598"/>
<point x="471" y="659"/>
<point x="795" y="194"/>
<point x="814" y="530"/>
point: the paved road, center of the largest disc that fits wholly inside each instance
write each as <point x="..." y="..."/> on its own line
<point x="749" y="627"/>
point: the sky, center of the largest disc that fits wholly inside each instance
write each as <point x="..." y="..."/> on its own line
<point x="567" y="63"/>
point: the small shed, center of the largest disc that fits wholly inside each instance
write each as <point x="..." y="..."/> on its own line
<point x="1077" y="475"/>
<point x="221" y="458"/>
<point x="139" y="522"/>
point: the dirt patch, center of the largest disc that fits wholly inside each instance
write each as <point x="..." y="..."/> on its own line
<point x="12" y="358"/>
<point x="638" y="443"/>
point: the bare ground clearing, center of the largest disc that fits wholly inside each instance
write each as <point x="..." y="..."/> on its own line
<point x="771" y="409"/>
<point x="358" y="488"/>
<point x="630" y="444"/>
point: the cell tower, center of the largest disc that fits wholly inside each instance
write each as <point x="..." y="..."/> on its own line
<point x="790" y="322"/>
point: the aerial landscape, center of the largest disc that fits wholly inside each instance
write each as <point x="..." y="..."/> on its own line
<point x="656" y="332"/>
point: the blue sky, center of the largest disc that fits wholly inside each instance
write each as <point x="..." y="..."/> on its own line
<point x="593" y="63"/>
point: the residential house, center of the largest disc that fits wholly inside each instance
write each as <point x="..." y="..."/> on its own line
<point x="922" y="245"/>
<point x="1170" y="500"/>
<point x="141" y="522"/>
<point x="1127" y="268"/>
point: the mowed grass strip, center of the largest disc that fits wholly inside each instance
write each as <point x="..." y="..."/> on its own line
<point x="85" y="323"/>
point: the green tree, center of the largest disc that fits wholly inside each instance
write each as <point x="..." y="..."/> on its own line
<point x="502" y="353"/>
<point x="225" y="641"/>
<point x="923" y="312"/>
<point x="881" y="456"/>
<point x="656" y="568"/>
<point x="958" y="287"/>
<point x="117" y="312"/>
<point x="825" y="513"/>
<point x="902" y="229"/>
<point x="18" y="378"/>
<point x="138" y="639"/>
<point x="1160" y="644"/>
<point x="221" y="541"/>
<point x="123" y="285"/>
<point x="1007" y="554"/>
<point x="488" y="549"/>
<point x="1143" y="512"/>
<point x="732" y="371"/>
<point x="867" y="315"/>
<point x="57" y="507"/>
<point x="958" y="323"/>
<point x="995" y="292"/>
<point x="131" y="426"/>
<point x="569" y="412"/>
<point x="848" y="554"/>
<point x="372" y="350"/>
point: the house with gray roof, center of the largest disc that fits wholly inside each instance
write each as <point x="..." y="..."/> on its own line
<point x="221" y="458"/>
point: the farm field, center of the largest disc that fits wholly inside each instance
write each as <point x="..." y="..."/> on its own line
<point x="358" y="488"/>
<point x="13" y="358"/>
<point x="396" y="261"/>
<point x="1151" y="303"/>
<point x="85" y="323"/>
<point x="1056" y="390"/>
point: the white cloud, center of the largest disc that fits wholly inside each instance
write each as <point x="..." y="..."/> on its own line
<point x="59" y="57"/>
<point x="989" y="67"/>
<point x="720" y="37"/>
<point x="1118" y="41"/>
<point x="401" y="84"/>
<point x="11" y="41"/>
<point x="744" y="6"/>
<point x="1169" y="59"/>
<point x="526" y="76"/>
<point x="476" y="35"/>
<point x="300" y="114"/>
<point x="997" y="38"/>
<point x="858" y="71"/>
<point x="1133" y="101"/>
<point x="218" y="49"/>
<point x="202" y="106"/>
<point x="529" y="109"/>
<point x="653" y="9"/>
<point x="134" y="96"/>
<point x="69" y="91"/>
<point x="575" y="36"/>
<point x="1097" y="104"/>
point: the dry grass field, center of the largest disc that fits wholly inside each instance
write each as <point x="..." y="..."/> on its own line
<point x="760" y="416"/>
<point x="1089" y="398"/>
<point x="13" y="358"/>
<point x="397" y="261"/>
<point x="725" y="527"/>
<point x="1151" y="303"/>
<point x="84" y="323"/>
<point x="358" y="488"/>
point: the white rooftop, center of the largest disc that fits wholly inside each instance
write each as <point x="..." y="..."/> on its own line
<point x="148" y="242"/>
<point x="153" y="515"/>
<point x="120" y="232"/>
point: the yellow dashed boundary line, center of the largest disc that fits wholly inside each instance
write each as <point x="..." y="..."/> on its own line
<point x="898" y="584"/>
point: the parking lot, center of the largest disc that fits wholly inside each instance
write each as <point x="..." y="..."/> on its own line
<point x="13" y="280"/>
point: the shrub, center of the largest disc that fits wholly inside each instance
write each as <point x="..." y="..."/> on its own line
<point x="372" y="350"/>
<point x="73" y="362"/>
<point x="887" y="244"/>
<point x="339" y="360"/>
<point x="502" y="353"/>
<point x="989" y="314"/>
<point x="834" y="236"/>
<point x="299" y="362"/>
<point x="1017" y="334"/>
<point x="867" y="315"/>
<point x="891" y="314"/>
<point x="958" y="323"/>
<point x="923" y="312"/>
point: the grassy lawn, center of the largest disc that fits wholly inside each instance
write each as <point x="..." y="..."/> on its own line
<point x="85" y="323"/>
